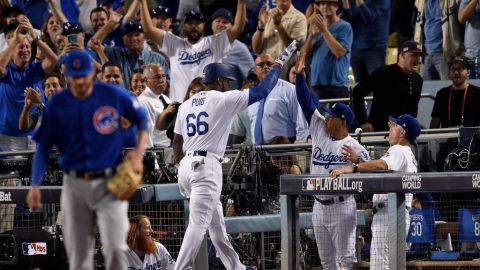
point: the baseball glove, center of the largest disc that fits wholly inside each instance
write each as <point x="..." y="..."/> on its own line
<point x="125" y="182"/>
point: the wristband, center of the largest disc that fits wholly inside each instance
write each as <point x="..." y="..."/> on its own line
<point x="260" y="29"/>
<point x="354" y="167"/>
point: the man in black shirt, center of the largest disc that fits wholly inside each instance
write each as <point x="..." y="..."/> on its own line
<point x="396" y="90"/>
<point x="458" y="104"/>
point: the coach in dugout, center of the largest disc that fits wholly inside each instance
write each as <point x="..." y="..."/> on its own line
<point x="399" y="158"/>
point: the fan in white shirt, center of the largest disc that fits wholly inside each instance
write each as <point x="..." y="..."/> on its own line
<point x="154" y="102"/>
<point x="189" y="56"/>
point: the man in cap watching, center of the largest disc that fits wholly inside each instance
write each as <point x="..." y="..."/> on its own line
<point x="399" y="158"/>
<point x="457" y="104"/>
<point x="239" y="56"/>
<point x="189" y="56"/>
<point x="399" y="82"/>
<point x="133" y="56"/>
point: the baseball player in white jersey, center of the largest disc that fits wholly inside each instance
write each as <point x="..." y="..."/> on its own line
<point x="190" y="55"/>
<point x="201" y="133"/>
<point x="334" y="217"/>
<point x="399" y="157"/>
<point x="144" y="253"/>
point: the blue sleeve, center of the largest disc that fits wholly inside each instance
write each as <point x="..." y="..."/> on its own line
<point x="308" y="102"/>
<point x="44" y="136"/>
<point x="265" y="86"/>
<point x="345" y="36"/>
<point x="40" y="163"/>
<point x="370" y="14"/>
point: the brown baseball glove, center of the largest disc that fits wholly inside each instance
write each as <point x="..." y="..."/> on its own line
<point x="125" y="182"/>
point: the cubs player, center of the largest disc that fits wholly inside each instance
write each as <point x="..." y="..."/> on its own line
<point x="90" y="143"/>
<point x="399" y="157"/>
<point x="334" y="217"/>
<point x="201" y="133"/>
<point x="143" y="251"/>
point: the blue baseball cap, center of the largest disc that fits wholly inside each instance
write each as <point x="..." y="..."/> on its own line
<point x="409" y="124"/>
<point x="215" y="70"/>
<point x="161" y="11"/>
<point x="222" y="12"/>
<point x="342" y="111"/>
<point x="131" y="26"/>
<point x="77" y="63"/>
<point x="193" y="15"/>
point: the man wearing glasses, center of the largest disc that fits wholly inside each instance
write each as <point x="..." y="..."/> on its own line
<point x="329" y="44"/>
<point x="279" y="114"/>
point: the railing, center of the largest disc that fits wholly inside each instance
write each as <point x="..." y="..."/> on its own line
<point x="395" y="184"/>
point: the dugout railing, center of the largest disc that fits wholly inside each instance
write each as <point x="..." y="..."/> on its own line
<point x="394" y="184"/>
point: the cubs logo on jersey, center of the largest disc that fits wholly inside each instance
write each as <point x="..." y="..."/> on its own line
<point x="105" y="120"/>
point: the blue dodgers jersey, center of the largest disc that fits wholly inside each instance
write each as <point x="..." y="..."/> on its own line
<point x="87" y="132"/>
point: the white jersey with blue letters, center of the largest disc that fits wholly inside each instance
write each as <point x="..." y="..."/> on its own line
<point x="159" y="260"/>
<point x="204" y="120"/>
<point x="188" y="60"/>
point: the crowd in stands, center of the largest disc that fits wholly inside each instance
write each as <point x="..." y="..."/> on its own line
<point x="155" y="49"/>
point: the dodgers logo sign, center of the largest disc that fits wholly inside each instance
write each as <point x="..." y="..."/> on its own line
<point x="36" y="248"/>
<point x="105" y="120"/>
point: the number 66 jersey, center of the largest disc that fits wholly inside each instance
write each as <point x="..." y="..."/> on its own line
<point x="204" y="120"/>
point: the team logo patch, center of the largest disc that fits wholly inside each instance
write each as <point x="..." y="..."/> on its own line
<point x="105" y="120"/>
<point x="37" y="248"/>
<point x="77" y="63"/>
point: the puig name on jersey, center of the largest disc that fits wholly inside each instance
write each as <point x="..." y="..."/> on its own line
<point x="327" y="160"/>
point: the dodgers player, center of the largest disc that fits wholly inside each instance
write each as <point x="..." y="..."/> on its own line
<point x="334" y="217"/>
<point x="90" y="143"/>
<point x="399" y="157"/>
<point x="201" y="133"/>
<point x="143" y="251"/>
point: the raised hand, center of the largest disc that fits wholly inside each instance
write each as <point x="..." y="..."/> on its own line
<point x="263" y="17"/>
<point x="286" y="54"/>
<point x="300" y="65"/>
<point x="277" y="16"/>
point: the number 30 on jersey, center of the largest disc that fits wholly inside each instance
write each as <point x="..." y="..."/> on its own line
<point x="196" y="125"/>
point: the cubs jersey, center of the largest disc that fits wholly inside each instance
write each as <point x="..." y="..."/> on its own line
<point x="87" y="131"/>
<point x="159" y="260"/>
<point x="188" y="60"/>
<point x="205" y="119"/>
<point x="327" y="152"/>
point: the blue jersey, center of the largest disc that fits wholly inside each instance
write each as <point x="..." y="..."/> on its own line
<point x="86" y="131"/>
<point x="12" y="97"/>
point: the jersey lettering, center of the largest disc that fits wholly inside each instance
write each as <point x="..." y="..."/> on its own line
<point x="186" y="58"/>
<point x="198" y="101"/>
<point x="327" y="160"/>
<point x="200" y="127"/>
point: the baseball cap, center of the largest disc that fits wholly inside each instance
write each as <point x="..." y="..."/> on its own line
<point x="131" y="26"/>
<point x="411" y="46"/>
<point x="161" y="10"/>
<point x="13" y="11"/>
<point x="193" y="15"/>
<point x="215" y="70"/>
<point x="342" y="111"/>
<point x="77" y="63"/>
<point x="458" y="60"/>
<point x="409" y="124"/>
<point x="71" y="28"/>
<point x="222" y="12"/>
